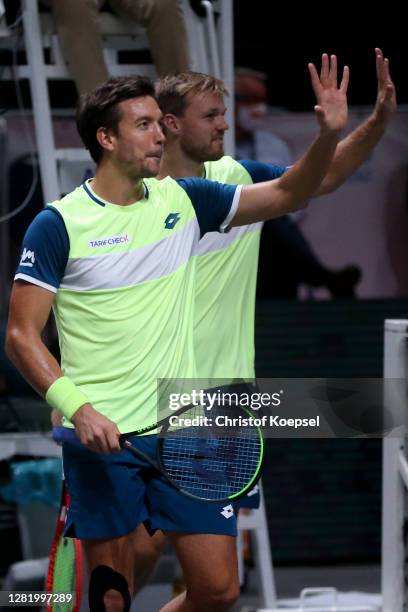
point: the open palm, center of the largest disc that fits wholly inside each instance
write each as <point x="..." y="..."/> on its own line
<point x="386" y="103"/>
<point x="331" y="108"/>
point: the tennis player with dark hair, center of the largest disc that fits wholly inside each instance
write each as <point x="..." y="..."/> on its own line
<point x="114" y="260"/>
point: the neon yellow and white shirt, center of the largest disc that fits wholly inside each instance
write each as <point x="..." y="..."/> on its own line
<point x="226" y="283"/>
<point x="124" y="283"/>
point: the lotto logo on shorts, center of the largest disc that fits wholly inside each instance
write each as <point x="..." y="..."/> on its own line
<point x="253" y="491"/>
<point x="227" y="511"/>
<point x="108" y="241"/>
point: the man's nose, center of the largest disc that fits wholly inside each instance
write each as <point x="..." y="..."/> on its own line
<point x="222" y="124"/>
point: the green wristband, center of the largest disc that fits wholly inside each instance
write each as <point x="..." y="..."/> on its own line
<point x="65" y="397"/>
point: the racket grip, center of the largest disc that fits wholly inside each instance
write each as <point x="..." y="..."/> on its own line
<point x="63" y="434"/>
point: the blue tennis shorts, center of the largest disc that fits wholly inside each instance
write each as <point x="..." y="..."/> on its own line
<point x="251" y="500"/>
<point x="112" y="494"/>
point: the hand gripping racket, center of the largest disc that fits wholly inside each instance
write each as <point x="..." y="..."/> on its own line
<point x="210" y="455"/>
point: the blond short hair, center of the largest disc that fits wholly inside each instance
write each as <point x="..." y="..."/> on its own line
<point x="172" y="90"/>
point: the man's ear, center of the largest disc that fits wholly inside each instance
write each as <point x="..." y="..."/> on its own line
<point x="171" y="123"/>
<point x="105" y="138"/>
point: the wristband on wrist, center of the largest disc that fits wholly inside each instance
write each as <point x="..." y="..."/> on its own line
<point x="65" y="396"/>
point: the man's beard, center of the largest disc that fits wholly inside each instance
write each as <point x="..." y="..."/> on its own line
<point x="203" y="154"/>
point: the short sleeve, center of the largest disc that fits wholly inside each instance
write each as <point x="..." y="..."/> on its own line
<point x="44" y="252"/>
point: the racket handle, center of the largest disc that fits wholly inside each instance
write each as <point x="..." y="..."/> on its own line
<point x="63" y="434"/>
<point x="139" y="453"/>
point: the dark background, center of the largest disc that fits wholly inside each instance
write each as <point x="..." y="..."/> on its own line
<point x="281" y="39"/>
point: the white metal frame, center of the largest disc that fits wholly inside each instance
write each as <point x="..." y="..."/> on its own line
<point x="40" y="100"/>
<point x="395" y="480"/>
<point x="334" y="605"/>
<point x="256" y="523"/>
<point x="38" y="73"/>
<point x="212" y="51"/>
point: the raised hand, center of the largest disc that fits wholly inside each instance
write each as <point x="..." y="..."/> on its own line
<point x="331" y="108"/>
<point x="386" y="103"/>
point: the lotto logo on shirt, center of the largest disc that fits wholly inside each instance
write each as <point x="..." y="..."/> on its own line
<point x="27" y="258"/>
<point x="171" y="220"/>
<point x="101" y="242"/>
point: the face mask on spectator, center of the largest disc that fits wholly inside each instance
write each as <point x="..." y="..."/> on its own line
<point x="251" y="117"/>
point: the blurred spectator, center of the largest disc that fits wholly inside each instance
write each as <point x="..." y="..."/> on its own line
<point x="81" y="41"/>
<point x="253" y="141"/>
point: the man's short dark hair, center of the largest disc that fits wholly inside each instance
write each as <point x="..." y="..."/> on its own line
<point x="99" y="108"/>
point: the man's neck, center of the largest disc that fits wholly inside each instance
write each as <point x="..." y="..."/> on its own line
<point x="177" y="164"/>
<point x="116" y="187"/>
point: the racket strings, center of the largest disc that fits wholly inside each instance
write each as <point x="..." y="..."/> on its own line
<point x="205" y="463"/>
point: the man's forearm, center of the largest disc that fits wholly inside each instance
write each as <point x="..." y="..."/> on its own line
<point x="351" y="152"/>
<point x="292" y="190"/>
<point x="303" y="179"/>
<point x="33" y="360"/>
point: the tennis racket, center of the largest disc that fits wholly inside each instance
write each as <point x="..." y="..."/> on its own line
<point x="65" y="565"/>
<point x="214" y="460"/>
